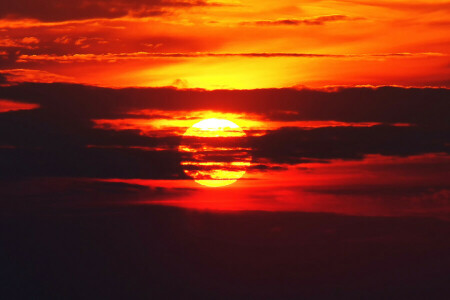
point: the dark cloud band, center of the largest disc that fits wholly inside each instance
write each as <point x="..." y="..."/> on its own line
<point x="59" y="139"/>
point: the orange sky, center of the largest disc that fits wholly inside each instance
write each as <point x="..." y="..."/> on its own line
<point x="229" y="44"/>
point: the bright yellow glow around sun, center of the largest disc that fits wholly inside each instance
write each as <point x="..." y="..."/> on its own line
<point x="215" y="128"/>
<point x="213" y="153"/>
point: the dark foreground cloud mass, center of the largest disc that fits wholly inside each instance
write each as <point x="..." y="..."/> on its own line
<point x="46" y="195"/>
<point x="160" y="252"/>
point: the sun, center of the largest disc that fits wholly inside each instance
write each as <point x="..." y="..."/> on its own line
<point x="214" y="152"/>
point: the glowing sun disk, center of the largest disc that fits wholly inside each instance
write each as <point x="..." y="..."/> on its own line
<point x="223" y="172"/>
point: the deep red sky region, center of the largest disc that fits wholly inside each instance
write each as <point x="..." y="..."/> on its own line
<point x="231" y="149"/>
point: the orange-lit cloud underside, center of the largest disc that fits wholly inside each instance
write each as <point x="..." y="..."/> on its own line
<point x="227" y="44"/>
<point x="162" y="123"/>
<point x="7" y="105"/>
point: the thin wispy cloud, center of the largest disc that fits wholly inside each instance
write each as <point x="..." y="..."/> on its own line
<point x="113" y="57"/>
<point x="320" y="20"/>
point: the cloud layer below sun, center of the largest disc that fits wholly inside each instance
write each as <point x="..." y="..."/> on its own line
<point x="226" y="44"/>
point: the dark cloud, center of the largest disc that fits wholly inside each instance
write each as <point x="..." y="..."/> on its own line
<point x="383" y="191"/>
<point x="88" y="162"/>
<point x="54" y="140"/>
<point x="18" y="196"/>
<point x="384" y="104"/>
<point x="3" y="79"/>
<point x="266" y="168"/>
<point x="57" y="10"/>
<point x="292" y="145"/>
<point x="167" y="253"/>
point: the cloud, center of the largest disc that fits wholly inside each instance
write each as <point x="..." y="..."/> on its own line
<point x="7" y="105"/>
<point x="114" y="57"/>
<point x="30" y="40"/>
<point x="70" y="193"/>
<point x="321" y="20"/>
<point x="3" y="79"/>
<point x="64" y="161"/>
<point x="57" y="10"/>
<point x="421" y="6"/>
<point x="26" y="42"/>
<point x="9" y="43"/>
<point x="29" y="75"/>
<point x="364" y="104"/>
<point x="59" y="138"/>
<point x="292" y="145"/>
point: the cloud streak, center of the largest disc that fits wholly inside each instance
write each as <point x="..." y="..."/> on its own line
<point x="421" y="6"/>
<point x="114" y="57"/>
<point x="11" y="76"/>
<point x="7" y="105"/>
<point x="321" y="20"/>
